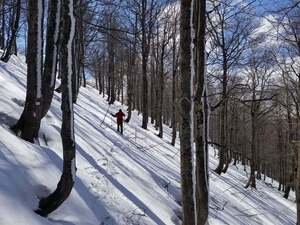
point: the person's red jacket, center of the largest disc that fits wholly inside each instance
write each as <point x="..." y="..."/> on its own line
<point x="119" y="116"/>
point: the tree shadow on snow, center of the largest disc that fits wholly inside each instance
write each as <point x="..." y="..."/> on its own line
<point x="83" y="192"/>
<point x="19" y="81"/>
<point x="7" y="120"/>
<point x="133" y="198"/>
<point x="19" y="102"/>
<point x="267" y="207"/>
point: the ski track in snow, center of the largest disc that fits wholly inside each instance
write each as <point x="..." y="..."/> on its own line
<point x="122" y="180"/>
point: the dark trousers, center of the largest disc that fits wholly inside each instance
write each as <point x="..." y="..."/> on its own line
<point x="120" y="127"/>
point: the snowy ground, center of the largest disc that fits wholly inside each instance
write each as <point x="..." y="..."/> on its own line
<point x="132" y="179"/>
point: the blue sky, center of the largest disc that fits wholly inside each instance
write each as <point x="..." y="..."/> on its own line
<point x="272" y="5"/>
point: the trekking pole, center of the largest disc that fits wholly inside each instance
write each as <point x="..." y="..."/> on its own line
<point x="107" y="111"/>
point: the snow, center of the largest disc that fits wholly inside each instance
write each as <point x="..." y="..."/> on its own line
<point x="122" y="180"/>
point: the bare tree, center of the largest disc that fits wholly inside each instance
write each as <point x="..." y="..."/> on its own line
<point x="200" y="112"/>
<point x="174" y="77"/>
<point x="229" y="28"/>
<point x="163" y="38"/>
<point x="14" y="31"/>
<point x="51" y="55"/>
<point x="259" y="73"/>
<point x="147" y="12"/>
<point x="65" y="185"/>
<point x="28" y="124"/>
<point x="130" y="68"/>
<point x="185" y="116"/>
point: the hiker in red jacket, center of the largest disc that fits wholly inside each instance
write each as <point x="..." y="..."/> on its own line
<point x="119" y="116"/>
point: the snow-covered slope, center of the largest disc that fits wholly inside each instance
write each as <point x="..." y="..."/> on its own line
<point x="132" y="179"/>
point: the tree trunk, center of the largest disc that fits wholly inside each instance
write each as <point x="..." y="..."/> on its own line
<point x="81" y="56"/>
<point x="253" y="163"/>
<point x="50" y="64"/>
<point x="14" y="31"/>
<point x="161" y="89"/>
<point x="200" y="113"/>
<point x="185" y="119"/>
<point x="2" y="37"/>
<point x="99" y="75"/>
<point x="174" y="71"/>
<point x="65" y="185"/>
<point x="131" y="65"/>
<point x="223" y="147"/>
<point x="28" y="125"/>
<point x="152" y="91"/>
<point x="145" y="54"/>
<point x="75" y="64"/>
<point x="291" y="176"/>
<point x="103" y="77"/>
<point x="111" y="71"/>
<point x="15" y="48"/>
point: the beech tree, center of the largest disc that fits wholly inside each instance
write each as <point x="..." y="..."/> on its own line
<point x="131" y="65"/>
<point x="42" y="77"/>
<point x="259" y="72"/>
<point x="146" y="12"/>
<point x="28" y="125"/>
<point x="11" y="44"/>
<point x="229" y="31"/>
<point x="200" y="112"/>
<point x="163" y="38"/>
<point x="65" y="185"/>
<point x="287" y="23"/>
<point x="175" y="59"/>
<point x="51" y="54"/>
<point x="193" y="112"/>
<point x="188" y="208"/>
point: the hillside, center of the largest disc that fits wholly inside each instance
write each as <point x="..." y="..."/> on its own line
<point x="130" y="179"/>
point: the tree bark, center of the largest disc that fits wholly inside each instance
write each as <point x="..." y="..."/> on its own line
<point x="2" y="37"/>
<point x="200" y="113"/>
<point x="253" y="161"/>
<point x="14" y="31"/>
<point x="174" y="72"/>
<point x="28" y="125"/>
<point x="130" y="80"/>
<point x="145" y="54"/>
<point x="185" y="119"/>
<point x="111" y="62"/>
<point x="161" y="87"/>
<point x="65" y="185"/>
<point x="52" y="45"/>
